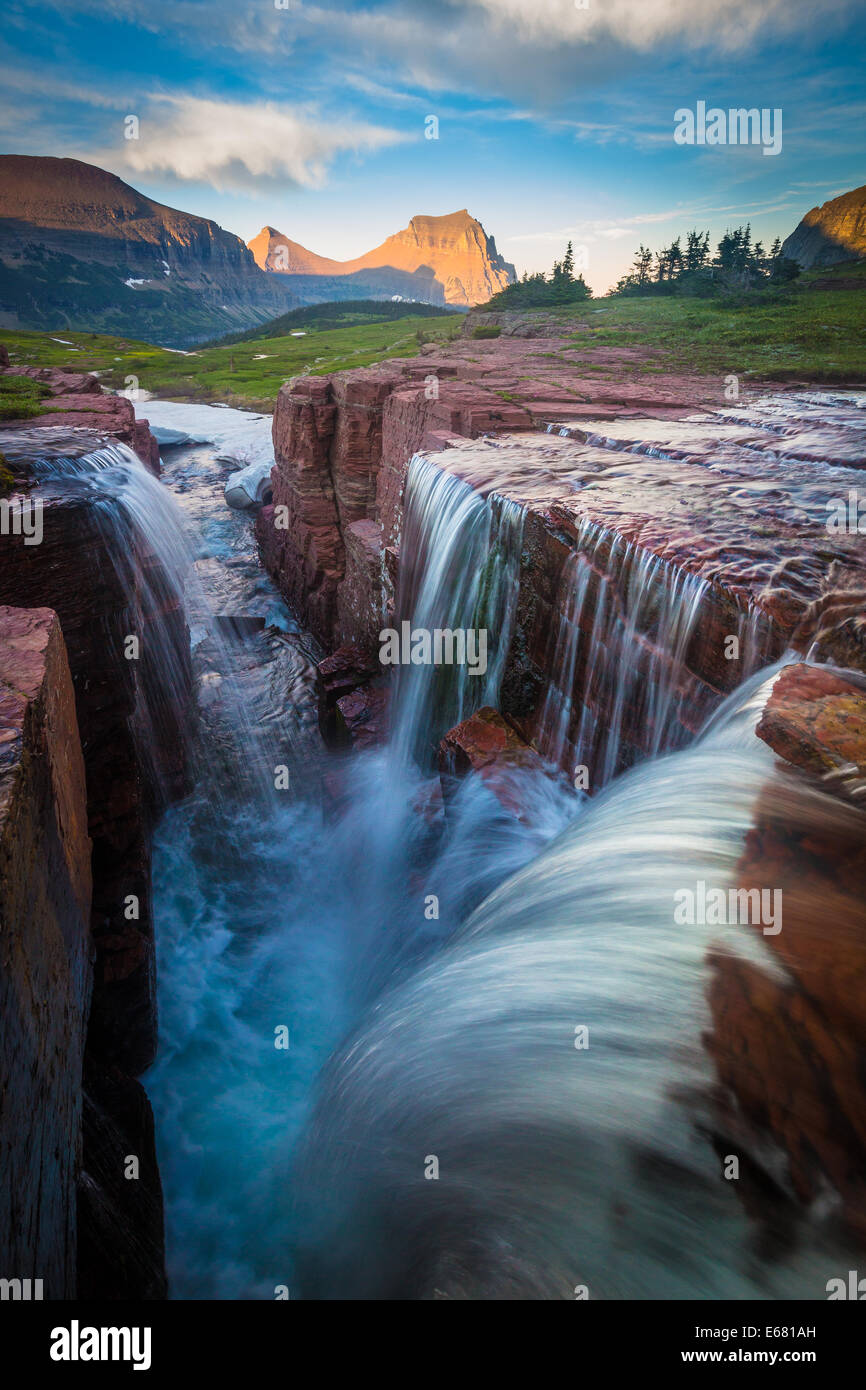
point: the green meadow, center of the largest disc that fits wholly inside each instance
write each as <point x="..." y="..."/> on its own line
<point x="247" y="374"/>
<point x="814" y="330"/>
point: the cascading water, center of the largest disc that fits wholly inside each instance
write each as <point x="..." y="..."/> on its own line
<point x="141" y="540"/>
<point x="560" y="1167"/>
<point x="631" y="641"/>
<point x="462" y="553"/>
<point x="273" y="911"/>
<point x="282" y="919"/>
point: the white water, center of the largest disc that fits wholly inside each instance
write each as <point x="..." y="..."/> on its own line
<point x="462" y="556"/>
<point x="562" y="1168"/>
<point x="412" y="1035"/>
<point x="271" y="910"/>
<point x="635" y="639"/>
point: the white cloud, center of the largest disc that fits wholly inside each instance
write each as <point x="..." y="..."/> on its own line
<point x="232" y="145"/>
<point x="643" y="24"/>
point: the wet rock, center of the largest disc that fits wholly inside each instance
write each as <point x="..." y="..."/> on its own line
<point x="45" y="894"/>
<point x="121" y="1246"/>
<point x="342" y="444"/>
<point x="816" y="719"/>
<point x="731" y="501"/>
<point x="788" y="1036"/>
<point x="488" y="746"/>
<point x="123" y="796"/>
<point x="348" y="668"/>
<point x="77" y="401"/>
<point x="362" y="717"/>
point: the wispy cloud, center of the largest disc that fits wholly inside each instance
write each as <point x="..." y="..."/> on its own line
<point x="235" y="145"/>
<point x="644" y="24"/>
<point x="701" y="215"/>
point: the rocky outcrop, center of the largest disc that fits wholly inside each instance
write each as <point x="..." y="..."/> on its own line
<point x="349" y="669"/>
<point x="123" y="796"/>
<point x="438" y="260"/>
<point x="342" y="444"/>
<point x="82" y="249"/>
<point x="121" y="1251"/>
<point x="832" y="233"/>
<point x="45" y="977"/>
<point x="77" y="401"/>
<point x="788" y="1042"/>
<point x="120" y="1219"/>
<point x="485" y="744"/>
<point x="668" y="505"/>
<point x="816" y="719"/>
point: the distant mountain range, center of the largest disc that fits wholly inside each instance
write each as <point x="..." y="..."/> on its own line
<point x="832" y="233"/>
<point x="448" y="260"/>
<point x="79" y="248"/>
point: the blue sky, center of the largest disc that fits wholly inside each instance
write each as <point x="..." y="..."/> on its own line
<point x="555" y="118"/>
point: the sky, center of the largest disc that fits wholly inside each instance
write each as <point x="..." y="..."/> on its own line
<point x="555" y="118"/>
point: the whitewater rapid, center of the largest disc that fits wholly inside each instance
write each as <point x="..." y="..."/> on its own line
<point x="358" y="1098"/>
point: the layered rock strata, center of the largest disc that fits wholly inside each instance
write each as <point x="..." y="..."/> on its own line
<point x="45" y="975"/>
<point x="728" y="505"/>
<point x="788" y="1041"/>
<point x="100" y="593"/>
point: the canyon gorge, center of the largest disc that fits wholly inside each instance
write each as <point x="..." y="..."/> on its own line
<point x="431" y="880"/>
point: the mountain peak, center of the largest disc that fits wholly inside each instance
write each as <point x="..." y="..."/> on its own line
<point x="453" y="246"/>
<point x="832" y="233"/>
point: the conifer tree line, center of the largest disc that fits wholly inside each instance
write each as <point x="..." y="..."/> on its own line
<point x="560" y="286"/>
<point x="738" y="261"/>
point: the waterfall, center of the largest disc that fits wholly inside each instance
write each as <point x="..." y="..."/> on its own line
<point x="461" y="556"/>
<point x="429" y="971"/>
<point x="620" y="684"/>
<point x="465" y="1145"/>
<point x="279" y="911"/>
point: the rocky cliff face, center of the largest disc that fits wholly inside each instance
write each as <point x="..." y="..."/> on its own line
<point x="788" y="1043"/>
<point x="78" y="401"/>
<point x="457" y="248"/>
<point x="272" y="250"/>
<point x="119" y="1222"/>
<point x="832" y="233"/>
<point x="646" y="503"/>
<point x="45" y="980"/>
<point x="448" y="259"/>
<point x="80" y="248"/>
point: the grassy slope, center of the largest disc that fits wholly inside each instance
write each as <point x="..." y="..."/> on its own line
<point x="245" y="374"/>
<point x="21" y="399"/>
<point x="347" y="313"/>
<point x="815" y="333"/>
